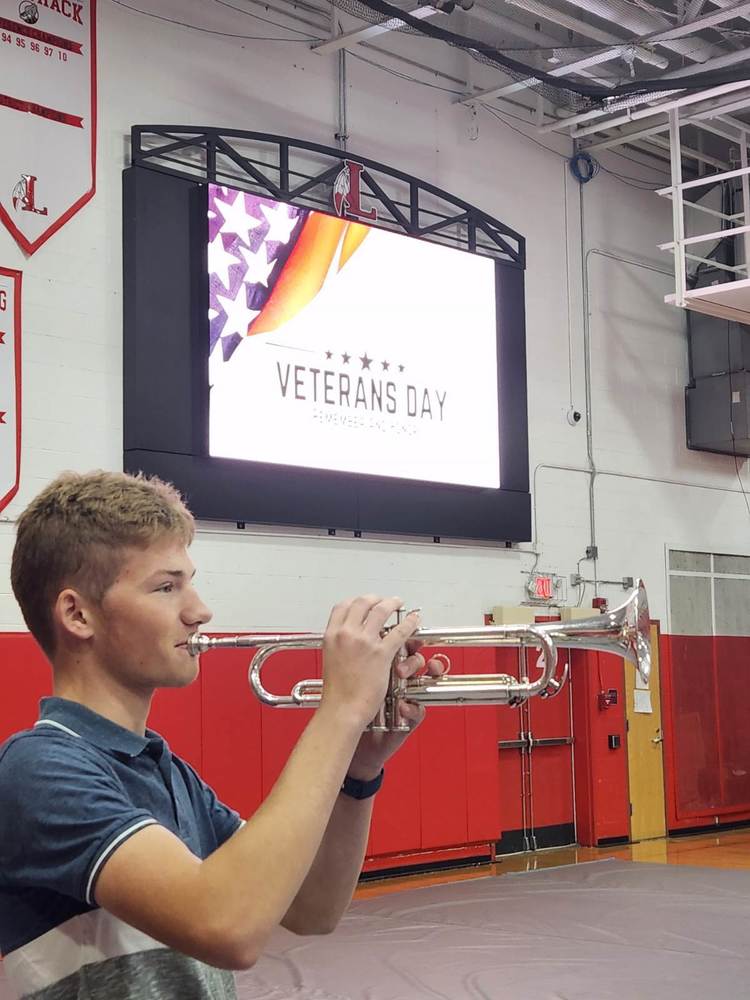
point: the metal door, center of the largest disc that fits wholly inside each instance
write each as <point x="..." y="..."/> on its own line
<point x="536" y="767"/>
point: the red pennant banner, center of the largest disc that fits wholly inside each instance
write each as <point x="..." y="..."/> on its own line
<point x="39" y="109"/>
<point x="47" y="115"/>
<point x="10" y="384"/>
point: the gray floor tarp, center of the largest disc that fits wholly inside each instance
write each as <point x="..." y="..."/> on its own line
<point x="607" y="930"/>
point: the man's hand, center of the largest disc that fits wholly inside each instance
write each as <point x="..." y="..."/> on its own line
<point x="357" y="657"/>
<point x="374" y="749"/>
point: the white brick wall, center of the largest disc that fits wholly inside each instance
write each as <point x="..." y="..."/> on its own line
<point x="151" y="71"/>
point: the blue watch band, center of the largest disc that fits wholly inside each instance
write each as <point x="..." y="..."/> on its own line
<point x="357" y="789"/>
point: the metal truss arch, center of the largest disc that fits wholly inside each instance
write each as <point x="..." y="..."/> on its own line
<point x="303" y="173"/>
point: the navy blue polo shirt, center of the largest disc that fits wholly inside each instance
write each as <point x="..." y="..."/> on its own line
<point x="72" y="790"/>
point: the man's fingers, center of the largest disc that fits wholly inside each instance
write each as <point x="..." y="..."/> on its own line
<point x="380" y="613"/>
<point x="338" y="614"/>
<point x="438" y="665"/>
<point x="410" y="666"/>
<point x="399" y="635"/>
<point x="359" y="609"/>
<point x="411" y="713"/>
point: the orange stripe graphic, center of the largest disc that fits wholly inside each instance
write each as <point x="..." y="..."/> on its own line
<point x="303" y="274"/>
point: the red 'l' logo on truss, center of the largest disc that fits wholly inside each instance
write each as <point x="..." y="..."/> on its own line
<point x="47" y="115"/>
<point x="10" y="384"/>
<point x="347" y="193"/>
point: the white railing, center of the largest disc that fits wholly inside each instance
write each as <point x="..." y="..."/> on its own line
<point x="738" y="223"/>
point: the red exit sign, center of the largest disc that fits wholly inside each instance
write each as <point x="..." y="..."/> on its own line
<point x="543" y="587"/>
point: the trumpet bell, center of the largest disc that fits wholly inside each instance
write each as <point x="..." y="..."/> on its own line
<point x="625" y="631"/>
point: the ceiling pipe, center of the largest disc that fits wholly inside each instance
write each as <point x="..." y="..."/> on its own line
<point x="721" y="62"/>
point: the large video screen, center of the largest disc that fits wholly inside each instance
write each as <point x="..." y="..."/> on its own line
<point x="336" y="345"/>
<point x="284" y="366"/>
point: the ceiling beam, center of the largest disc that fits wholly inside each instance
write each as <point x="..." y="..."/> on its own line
<point x="689" y="153"/>
<point x="641" y="24"/>
<point x="694" y="8"/>
<point x="585" y="29"/>
<point x="655" y="109"/>
<point x="512" y="88"/>
<point x="351" y="38"/>
<point x="708" y="21"/>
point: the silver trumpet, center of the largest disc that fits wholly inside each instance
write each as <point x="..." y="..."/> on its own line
<point x="624" y="631"/>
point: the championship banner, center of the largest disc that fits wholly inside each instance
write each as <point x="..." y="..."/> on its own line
<point x="10" y="384"/>
<point x="47" y="114"/>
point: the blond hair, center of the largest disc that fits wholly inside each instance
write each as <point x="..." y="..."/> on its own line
<point x="76" y="531"/>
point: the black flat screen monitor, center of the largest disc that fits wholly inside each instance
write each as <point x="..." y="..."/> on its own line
<point x="285" y="366"/>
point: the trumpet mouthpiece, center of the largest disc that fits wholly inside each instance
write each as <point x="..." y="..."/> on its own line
<point x="197" y="643"/>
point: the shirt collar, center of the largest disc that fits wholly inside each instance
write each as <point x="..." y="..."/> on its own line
<point x="76" y="719"/>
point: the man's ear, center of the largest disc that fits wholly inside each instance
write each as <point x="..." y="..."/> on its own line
<point x="73" y="614"/>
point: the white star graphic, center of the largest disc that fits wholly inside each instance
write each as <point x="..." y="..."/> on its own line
<point x="219" y="260"/>
<point x="280" y="222"/>
<point x="236" y="220"/>
<point x="258" y="267"/>
<point x="239" y="317"/>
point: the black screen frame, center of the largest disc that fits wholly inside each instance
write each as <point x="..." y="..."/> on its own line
<point x="165" y="402"/>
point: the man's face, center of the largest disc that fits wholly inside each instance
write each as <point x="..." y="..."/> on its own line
<point x="146" y="615"/>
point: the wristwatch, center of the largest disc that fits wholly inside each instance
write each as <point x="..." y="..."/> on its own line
<point x="357" y="789"/>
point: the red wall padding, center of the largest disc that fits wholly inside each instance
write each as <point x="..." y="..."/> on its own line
<point x="441" y="790"/>
<point x="448" y="786"/>
<point x="732" y="658"/>
<point x="706" y="714"/>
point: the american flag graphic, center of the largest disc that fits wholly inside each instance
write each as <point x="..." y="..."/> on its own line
<point x="266" y="260"/>
<point x="249" y="241"/>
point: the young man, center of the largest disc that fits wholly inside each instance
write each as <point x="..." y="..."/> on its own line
<point x="121" y="875"/>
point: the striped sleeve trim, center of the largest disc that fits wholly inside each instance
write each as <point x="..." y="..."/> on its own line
<point x="112" y="846"/>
